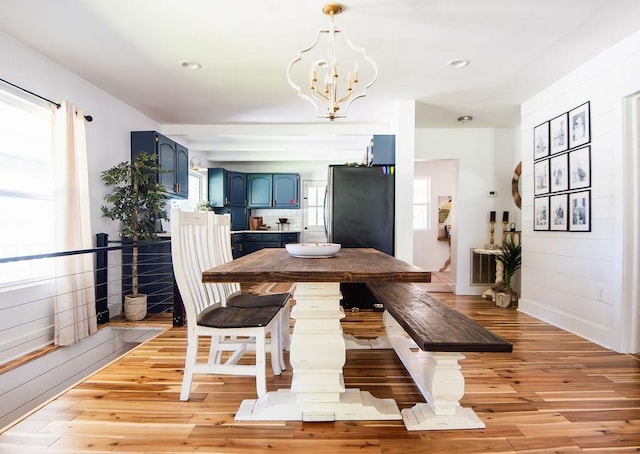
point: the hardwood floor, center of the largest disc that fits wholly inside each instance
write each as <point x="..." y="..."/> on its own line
<point x="555" y="393"/>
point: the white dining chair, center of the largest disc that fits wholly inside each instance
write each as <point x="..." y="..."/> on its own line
<point x="223" y="253"/>
<point x="234" y="329"/>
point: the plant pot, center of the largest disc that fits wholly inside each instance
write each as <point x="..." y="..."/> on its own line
<point x="135" y="307"/>
<point x="503" y="299"/>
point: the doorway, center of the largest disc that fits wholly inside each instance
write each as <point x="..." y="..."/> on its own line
<point x="434" y="193"/>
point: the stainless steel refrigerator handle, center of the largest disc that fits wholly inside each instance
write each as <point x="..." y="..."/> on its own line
<point x="324" y="214"/>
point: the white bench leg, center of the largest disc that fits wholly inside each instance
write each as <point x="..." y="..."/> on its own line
<point x="439" y="378"/>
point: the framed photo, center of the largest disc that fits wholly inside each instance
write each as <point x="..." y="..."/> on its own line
<point x="580" y="168"/>
<point x="579" y="126"/>
<point x="558" y="212"/>
<point x="559" y="173"/>
<point x="541" y="141"/>
<point x="580" y="211"/>
<point x="541" y="177"/>
<point x="559" y="133"/>
<point x="541" y="213"/>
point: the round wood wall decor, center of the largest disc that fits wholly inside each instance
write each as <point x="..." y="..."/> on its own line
<point x="515" y="185"/>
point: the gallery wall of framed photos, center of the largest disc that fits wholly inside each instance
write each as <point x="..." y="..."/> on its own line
<point x="562" y="172"/>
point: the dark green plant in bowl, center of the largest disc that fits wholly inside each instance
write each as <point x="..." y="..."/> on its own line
<point x="511" y="258"/>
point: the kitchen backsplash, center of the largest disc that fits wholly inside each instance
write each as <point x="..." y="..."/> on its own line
<point x="270" y="217"/>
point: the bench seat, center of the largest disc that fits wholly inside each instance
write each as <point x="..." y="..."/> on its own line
<point x="429" y="337"/>
<point x="433" y="325"/>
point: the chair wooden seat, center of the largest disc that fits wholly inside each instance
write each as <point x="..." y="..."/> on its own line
<point x="237" y="317"/>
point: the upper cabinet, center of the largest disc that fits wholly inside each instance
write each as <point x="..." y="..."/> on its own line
<point x="171" y="156"/>
<point x="260" y="190"/>
<point x="286" y="187"/>
<point x="237" y="189"/>
<point x="278" y="190"/>
<point x="383" y="148"/>
<point x="227" y="188"/>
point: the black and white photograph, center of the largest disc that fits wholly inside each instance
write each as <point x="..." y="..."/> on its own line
<point x="541" y="177"/>
<point x="558" y="212"/>
<point x="580" y="211"/>
<point x="579" y="126"/>
<point x="541" y="213"/>
<point x="580" y="168"/>
<point x="559" y="134"/>
<point x="541" y="141"/>
<point x="559" y="173"/>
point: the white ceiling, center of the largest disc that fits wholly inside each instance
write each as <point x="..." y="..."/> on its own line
<point x="133" y="50"/>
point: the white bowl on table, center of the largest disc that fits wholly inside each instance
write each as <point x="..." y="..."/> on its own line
<point x="312" y="250"/>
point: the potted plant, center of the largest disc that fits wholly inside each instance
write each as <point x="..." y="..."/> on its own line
<point x="511" y="258"/>
<point x="138" y="201"/>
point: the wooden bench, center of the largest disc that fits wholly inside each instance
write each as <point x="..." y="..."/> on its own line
<point x="428" y="337"/>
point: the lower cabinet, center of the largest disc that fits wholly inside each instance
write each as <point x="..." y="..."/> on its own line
<point x="237" y="245"/>
<point x="252" y="242"/>
<point x="155" y="277"/>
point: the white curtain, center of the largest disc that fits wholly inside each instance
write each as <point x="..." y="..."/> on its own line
<point x="75" y="309"/>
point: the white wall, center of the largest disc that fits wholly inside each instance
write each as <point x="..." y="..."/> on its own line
<point x="570" y="279"/>
<point x="486" y="159"/>
<point x="108" y="139"/>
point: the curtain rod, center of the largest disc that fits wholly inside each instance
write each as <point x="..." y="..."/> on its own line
<point x="86" y="117"/>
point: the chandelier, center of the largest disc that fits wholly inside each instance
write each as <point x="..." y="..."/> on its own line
<point x="328" y="92"/>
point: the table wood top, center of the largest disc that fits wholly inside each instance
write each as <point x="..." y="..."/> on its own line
<point x="348" y="265"/>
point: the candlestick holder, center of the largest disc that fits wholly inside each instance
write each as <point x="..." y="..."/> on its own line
<point x="504" y="230"/>
<point x="492" y="229"/>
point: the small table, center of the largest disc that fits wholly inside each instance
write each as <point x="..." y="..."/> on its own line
<point x="489" y="293"/>
<point x="318" y="349"/>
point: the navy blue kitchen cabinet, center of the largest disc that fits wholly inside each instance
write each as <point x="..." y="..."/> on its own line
<point x="278" y="190"/>
<point x="260" y="190"/>
<point x="286" y="187"/>
<point x="237" y="189"/>
<point x="237" y="245"/>
<point x="227" y="188"/>
<point x="155" y="272"/>
<point x="246" y="243"/>
<point x="171" y="156"/>
<point x="228" y="194"/>
<point x="383" y="148"/>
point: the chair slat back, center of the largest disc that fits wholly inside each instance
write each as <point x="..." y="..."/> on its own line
<point x="221" y="232"/>
<point x="192" y="253"/>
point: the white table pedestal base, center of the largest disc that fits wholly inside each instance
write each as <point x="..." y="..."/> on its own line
<point x="439" y="378"/>
<point x="282" y="405"/>
<point x="317" y="356"/>
<point x="421" y="417"/>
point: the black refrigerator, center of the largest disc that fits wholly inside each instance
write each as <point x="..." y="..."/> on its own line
<point x="360" y="212"/>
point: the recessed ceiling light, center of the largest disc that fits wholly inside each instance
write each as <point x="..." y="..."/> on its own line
<point x="458" y="63"/>
<point x="191" y="65"/>
<point x="465" y="119"/>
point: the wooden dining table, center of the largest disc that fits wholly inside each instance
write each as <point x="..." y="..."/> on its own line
<point x="318" y="348"/>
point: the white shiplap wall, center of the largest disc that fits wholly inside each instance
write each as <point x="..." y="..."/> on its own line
<point x="574" y="279"/>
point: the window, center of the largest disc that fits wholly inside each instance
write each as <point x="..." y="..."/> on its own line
<point x="197" y="192"/>
<point x="26" y="186"/>
<point x="422" y="203"/>
<point x="315" y="206"/>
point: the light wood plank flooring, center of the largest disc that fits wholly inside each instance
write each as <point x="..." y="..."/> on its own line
<point x="555" y="393"/>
